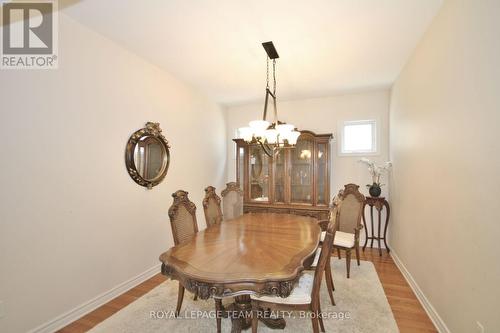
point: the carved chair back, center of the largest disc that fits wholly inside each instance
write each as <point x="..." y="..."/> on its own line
<point x="232" y="201"/>
<point x="211" y="207"/>
<point x="325" y="255"/>
<point x="350" y="214"/>
<point x="182" y="215"/>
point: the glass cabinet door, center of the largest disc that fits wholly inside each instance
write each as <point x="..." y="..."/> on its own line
<point x="301" y="171"/>
<point x="322" y="174"/>
<point x="279" y="176"/>
<point x="258" y="174"/>
<point x="240" y="169"/>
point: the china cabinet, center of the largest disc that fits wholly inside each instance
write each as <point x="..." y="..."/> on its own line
<point x="294" y="180"/>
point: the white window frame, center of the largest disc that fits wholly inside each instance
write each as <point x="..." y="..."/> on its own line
<point x="374" y="151"/>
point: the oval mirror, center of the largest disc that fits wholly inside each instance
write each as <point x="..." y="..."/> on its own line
<point x="147" y="155"/>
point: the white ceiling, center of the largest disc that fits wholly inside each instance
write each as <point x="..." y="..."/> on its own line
<point x="325" y="46"/>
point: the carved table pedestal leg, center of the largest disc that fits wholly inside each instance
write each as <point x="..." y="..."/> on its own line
<point x="272" y="323"/>
<point x="240" y="313"/>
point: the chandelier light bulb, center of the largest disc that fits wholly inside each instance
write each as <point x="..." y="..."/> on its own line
<point x="259" y="127"/>
<point x="285" y="129"/>
<point x="245" y="133"/>
<point x="271" y="136"/>
<point x="292" y="137"/>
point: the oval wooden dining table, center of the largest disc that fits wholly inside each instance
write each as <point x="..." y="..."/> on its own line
<point x="256" y="253"/>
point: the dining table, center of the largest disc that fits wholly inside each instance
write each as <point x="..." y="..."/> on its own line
<point x="255" y="253"/>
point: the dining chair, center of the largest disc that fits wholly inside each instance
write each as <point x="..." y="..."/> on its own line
<point x="232" y="201"/>
<point x="211" y="207"/>
<point x="305" y="294"/>
<point x="328" y="269"/>
<point x="182" y="216"/>
<point x="349" y="222"/>
<point x="213" y="215"/>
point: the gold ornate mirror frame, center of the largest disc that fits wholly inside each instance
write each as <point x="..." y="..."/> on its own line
<point x="151" y="130"/>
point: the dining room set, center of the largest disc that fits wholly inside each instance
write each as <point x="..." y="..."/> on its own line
<point x="219" y="262"/>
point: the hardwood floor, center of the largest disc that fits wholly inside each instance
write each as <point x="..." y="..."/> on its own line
<point x="409" y="314"/>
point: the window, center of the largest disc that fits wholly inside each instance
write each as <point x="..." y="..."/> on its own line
<point x="359" y="137"/>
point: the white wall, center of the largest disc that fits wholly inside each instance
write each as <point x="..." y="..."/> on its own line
<point x="445" y="147"/>
<point x="323" y="115"/>
<point x="73" y="224"/>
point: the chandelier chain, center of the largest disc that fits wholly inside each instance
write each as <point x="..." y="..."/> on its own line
<point x="267" y="73"/>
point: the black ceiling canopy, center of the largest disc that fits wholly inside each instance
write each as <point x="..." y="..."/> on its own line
<point x="270" y="50"/>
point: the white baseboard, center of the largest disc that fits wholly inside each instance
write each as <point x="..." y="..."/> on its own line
<point x="431" y="311"/>
<point x="81" y="310"/>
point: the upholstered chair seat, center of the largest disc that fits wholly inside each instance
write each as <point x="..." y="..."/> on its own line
<point x="316" y="256"/>
<point x="301" y="293"/>
<point x="343" y="239"/>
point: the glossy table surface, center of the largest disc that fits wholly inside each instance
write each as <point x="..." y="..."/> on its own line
<point x="244" y="253"/>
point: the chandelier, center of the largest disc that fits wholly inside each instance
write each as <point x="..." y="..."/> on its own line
<point x="271" y="136"/>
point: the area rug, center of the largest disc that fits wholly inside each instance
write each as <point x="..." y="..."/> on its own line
<point x="361" y="307"/>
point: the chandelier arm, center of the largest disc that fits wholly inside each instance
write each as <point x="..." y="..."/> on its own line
<point x="265" y="147"/>
<point x="274" y="93"/>
<point x="275" y="110"/>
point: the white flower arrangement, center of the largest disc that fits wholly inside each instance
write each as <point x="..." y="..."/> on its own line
<point x="376" y="171"/>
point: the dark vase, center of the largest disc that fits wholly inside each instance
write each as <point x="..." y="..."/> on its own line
<point x="375" y="190"/>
